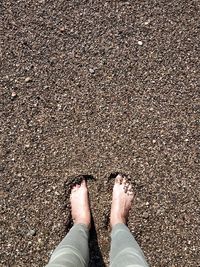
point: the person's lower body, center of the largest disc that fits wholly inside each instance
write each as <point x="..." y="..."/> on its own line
<point x="73" y="251"/>
<point x="125" y="251"/>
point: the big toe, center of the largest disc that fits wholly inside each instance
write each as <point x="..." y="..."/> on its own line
<point x="118" y="179"/>
<point x="83" y="183"/>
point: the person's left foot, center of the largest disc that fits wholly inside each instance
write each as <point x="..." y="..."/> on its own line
<point x="80" y="204"/>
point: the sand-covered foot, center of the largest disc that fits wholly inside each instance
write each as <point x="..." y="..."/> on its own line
<point x="121" y="201"/>
<point x="80" y="204"/>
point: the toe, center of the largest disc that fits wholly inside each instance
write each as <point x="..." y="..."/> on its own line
<point x="125" y="189"/>
<point x="73" y="188"/>
<point x="83" y="183"/>
<point x="129" y="187"/>
<point x="130" y="190"/>
<point x="118" y="179"/>
<point x="124" y="181"/>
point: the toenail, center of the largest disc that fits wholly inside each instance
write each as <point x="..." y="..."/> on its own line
<point x="125" y="189"/>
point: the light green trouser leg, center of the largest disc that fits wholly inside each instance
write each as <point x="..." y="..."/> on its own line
<point x="73" y="250"/>
<point x="125" y="251"/>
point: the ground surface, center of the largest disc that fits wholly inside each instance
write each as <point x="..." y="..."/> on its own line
<point x="96" y="87"/>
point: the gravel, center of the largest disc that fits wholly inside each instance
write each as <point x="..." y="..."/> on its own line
<point x="93" y="88"/>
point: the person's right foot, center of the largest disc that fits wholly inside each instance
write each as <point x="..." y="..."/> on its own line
<point x="121" y="201"/>
<point x="80" y="204"/>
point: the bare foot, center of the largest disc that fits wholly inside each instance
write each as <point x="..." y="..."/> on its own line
<point x="80" y="204"/>
<point x="121" y="201"/>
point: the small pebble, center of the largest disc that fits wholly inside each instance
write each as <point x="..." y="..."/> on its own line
<point x="50" y="252"/>
<point x="39" y="240"/>
<point x="147" y="238"/>
<point x="146" y="22"/>
<point x="145" y="215"/>
<point x="27" y="145"/>
<point x="59" y="106"/>
<point x="62" y="29"/>
<point x="32" y="232"/>
<point x="92" y="71"/>
<point x="160" y="211"/>
<point x="1" y="168"/>
<point x="14" y="94"/>
<point x="28" y="79"/>
<point x="140" y="43"/>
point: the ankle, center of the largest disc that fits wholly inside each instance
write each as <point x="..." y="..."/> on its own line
<point x="83" y="220"/>
<point x="117" y="220"/>
<point x="88" y="225"/>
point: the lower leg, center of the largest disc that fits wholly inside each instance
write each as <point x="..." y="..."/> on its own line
<point x="125" y="251"/>
<point x="73" y="250"/>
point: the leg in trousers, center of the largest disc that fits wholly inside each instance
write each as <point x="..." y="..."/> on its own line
<point x="125" y="251"/>
<point x="73" y="250"/>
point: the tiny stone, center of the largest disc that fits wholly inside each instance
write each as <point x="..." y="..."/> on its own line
<point x="1" y="168"/>
<point x="145" y="215"/>
<point x="32" y="232"/>
<point x="92" y="71"/>
<point x="62" y="29"/>
<point x="154" y="141"/>
<point x="14" y="94"/>
<point x="50" y="252"/>
<point x="28" y="79"/>
<point x="49" y="190"/>
<point x="39" y="240"/>
<point x="27" y="145"/>
<point x="59" y="106"/>
<point x="147" y="238"/>
<point x="105" y="183"/>
<point x="160" y="211"/>
<point x="140" y="43"/>
<point x="146" y="22"/>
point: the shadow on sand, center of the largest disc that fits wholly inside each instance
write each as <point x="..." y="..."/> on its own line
<point x="96" y="259"/>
